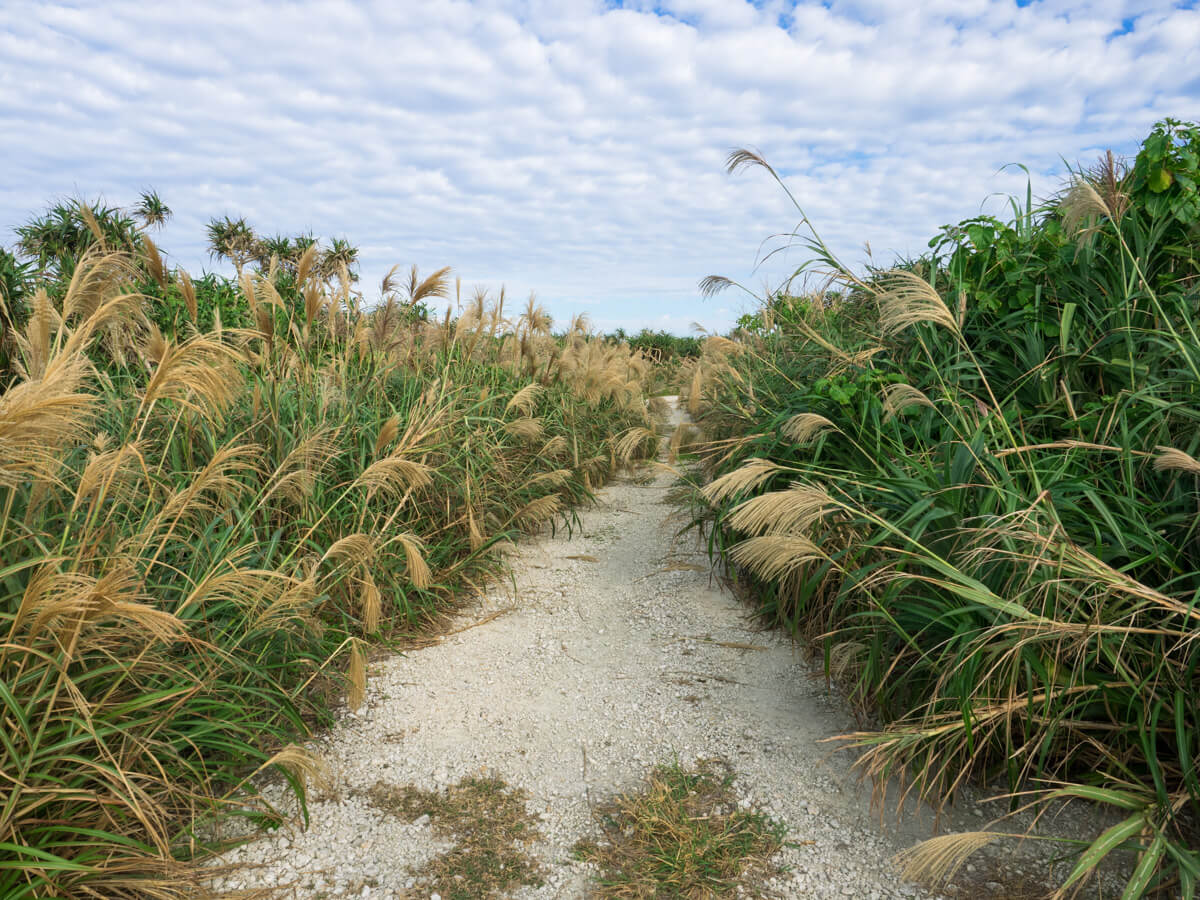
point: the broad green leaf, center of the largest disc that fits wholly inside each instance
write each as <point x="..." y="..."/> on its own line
<point x="1064" y="326"/>
<point x="1145" y="869"/>
<point x="1160" y="179"/>
<point x="1108" y="796"/>
<point x="1110" y="840"/>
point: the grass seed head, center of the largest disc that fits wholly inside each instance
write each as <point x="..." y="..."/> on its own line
<point x="41" y="419"/>
<point x="1084" y="209"/>
<point x="304" y="266"/>
<point x="414" y="558"/>
<point x="804" y="428"/>
<point x="355" y="549"/>
<point x="387" y="433"/>
<point x="116" y="472"/>
<point x="908" y="299"/>
<point x="201" y="375"/>
<point x="1172" y="460"/>
<point x="33" y="342"/>
<point x="634" y="443"/>
<point x="774" y="556"/>
<point x="370" y="603"/>
<point x="793" y="511"/>
<point x="899" y="397"/>
<point x="937" y="860"/>
<point x="538" y="511"/>
<point x="555" y="448"/>
<point x="394" y="476"/>
<point x="750" y="475"/>
<point x="526" y="428"/>
<point x="555" y="478"/>
<point x="357" y="673"/>
<point x="525" y="400"/>
<point x="300" y="764"/>
<point x="154" y="262"/>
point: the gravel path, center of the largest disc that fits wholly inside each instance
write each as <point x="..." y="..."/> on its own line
<point x="619" y="652"/>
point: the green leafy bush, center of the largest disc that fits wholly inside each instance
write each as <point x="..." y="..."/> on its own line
<point x="980" y="469"/>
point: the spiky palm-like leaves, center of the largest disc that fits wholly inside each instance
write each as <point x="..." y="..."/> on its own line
<point x="151" y="209"/>
<point x="58" y="238"/>
<point x="233" y="240"/>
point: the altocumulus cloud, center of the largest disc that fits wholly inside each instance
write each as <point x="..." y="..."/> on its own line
<point x="576" y="147"/>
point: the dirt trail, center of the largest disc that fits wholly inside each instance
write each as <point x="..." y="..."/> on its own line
<point x="619" y="651"/>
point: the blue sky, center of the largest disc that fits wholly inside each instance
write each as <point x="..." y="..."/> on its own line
<point x="575" y="147"/>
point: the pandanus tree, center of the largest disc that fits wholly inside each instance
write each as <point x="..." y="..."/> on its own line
<point x="341" y="254"/>
<point x="151" y="210"/>
<point x="16" y="280"/>
<point x="57" y="239"/>
<point x="233" y="240"/>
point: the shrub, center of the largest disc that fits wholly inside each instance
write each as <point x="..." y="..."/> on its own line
<point x="980" y="469"/>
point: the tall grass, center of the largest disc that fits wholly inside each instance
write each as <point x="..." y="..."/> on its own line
<point x="201" y="533"/>
<point x="972" y="481"/>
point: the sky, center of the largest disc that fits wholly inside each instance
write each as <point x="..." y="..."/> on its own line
<point x="575" y="148"/>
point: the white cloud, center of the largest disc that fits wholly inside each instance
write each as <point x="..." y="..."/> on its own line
<point x="574" y="147"/>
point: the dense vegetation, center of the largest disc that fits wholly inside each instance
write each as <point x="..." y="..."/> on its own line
<point x="215" y="494"/>
<point x="972" y="480"/>
<point x="661" y="346"/>
<point x="668" y="353"/>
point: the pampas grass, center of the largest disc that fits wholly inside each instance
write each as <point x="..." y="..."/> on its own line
<point x="938" y="859"/>
<point x="899" y="397"/>
<point x="752" y="474"/>
<point x="1008" y="584"/>
<point x="202" y="530"/>
<point x="905" y="299"/>
<point x="803" y="428"/>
